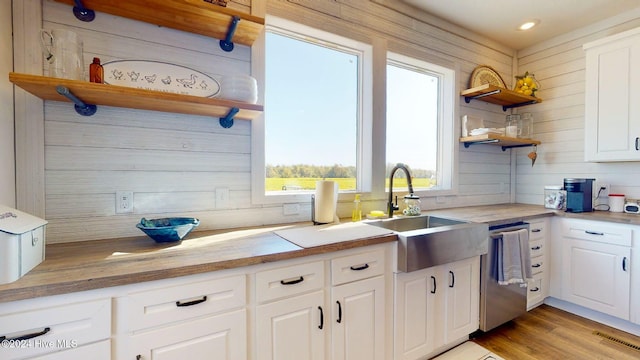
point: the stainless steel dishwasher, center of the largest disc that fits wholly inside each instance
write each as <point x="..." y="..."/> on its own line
<point x="499" y="303"/>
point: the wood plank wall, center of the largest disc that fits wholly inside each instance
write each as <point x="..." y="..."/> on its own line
<point x="559" y="65"/>
<point x="173" y="163"/>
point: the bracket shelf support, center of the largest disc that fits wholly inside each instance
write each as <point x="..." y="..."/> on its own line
<point x="82" y="13"/>
<point x="227" y="121"/>
<point x="81" y="107"/>
<point x="227" y="44"/>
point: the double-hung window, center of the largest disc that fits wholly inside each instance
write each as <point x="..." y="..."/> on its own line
<point x="317" y="120"/>
<point x="420" y="123"/>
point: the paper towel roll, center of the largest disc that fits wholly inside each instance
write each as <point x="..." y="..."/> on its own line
<point x="326" y="201"/>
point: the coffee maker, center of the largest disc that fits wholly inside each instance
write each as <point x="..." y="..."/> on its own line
<point x="579" y="194"/>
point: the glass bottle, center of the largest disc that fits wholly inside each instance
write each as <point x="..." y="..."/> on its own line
<point x="356" y="213"/>
<point x="412" y="205"/>
<point x="96" y="72"/>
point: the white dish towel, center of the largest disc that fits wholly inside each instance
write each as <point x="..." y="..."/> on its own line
<point x="513" y="258"/>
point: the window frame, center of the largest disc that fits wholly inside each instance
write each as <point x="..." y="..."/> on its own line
<point x="447" y="165"/>
<point x="365" y="122"/>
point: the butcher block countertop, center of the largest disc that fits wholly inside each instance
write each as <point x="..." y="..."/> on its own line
<point x="88" y="265"/>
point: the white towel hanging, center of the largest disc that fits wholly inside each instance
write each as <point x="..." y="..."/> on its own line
<point x="513" y="258"/>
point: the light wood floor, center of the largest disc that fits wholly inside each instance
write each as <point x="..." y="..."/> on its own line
<point x="547" y="333"/>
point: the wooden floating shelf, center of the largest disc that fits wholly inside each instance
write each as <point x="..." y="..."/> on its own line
<point x="195" y="16"/>
<point x="504" y="141"/>
<point x="500" y="96"/>
<point x="127" y="97"/>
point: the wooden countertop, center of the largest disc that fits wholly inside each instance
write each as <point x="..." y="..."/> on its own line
<point x="507" y="213"/>
<point x="88" y="265"/>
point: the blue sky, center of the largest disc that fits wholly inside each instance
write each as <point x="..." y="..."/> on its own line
<point x="313" y="97"/>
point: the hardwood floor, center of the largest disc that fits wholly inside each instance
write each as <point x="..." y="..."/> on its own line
<point x="548" y="333"/>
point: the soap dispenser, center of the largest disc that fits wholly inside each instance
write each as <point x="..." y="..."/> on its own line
<point x="356" y="213"/>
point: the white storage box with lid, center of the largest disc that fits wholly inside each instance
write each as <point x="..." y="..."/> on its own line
<point x="21" y="243"/>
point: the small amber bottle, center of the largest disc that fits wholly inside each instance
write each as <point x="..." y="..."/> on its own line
<point x="96" y="72"/>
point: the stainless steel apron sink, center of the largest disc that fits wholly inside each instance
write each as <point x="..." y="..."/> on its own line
<point x="425" y="241"/>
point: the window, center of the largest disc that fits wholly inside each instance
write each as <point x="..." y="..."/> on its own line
<point x="317" y="112"/>
<point x="419" y="131"/>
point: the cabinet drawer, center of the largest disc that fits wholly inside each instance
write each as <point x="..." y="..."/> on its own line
<point x="357" y="267"/>
<point x="537" y="265"/>
<point x="535" y="291"/>
<point x="537" y="230"/>
<point x="597" y="231"/>
<point x="536" y="248"/>
<point x="169" y="304"/>
<point x="288" y="281"/>
<point x="55" y="328"/>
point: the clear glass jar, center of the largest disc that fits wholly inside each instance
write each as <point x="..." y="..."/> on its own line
<point x="525" y="126"/>
<point x="555" y="197"/>
<point x="511" y="125"/>
<point x="412" y="205"/>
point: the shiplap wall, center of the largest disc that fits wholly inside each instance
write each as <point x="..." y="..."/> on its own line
<point x="559" y="65"/>
<point x="173" y="163"/>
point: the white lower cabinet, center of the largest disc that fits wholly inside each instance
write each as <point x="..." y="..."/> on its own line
<point x="221" y="337"/>
<point x="191" y="320"/>
<point x="435" y="307"/>
<point x="292" y="328"/>
<point x="295" y="321"/>
<point x="596" y="266"/>
<point x="357" y="329"/>
<point x="538" y="290"/>
<point x="56" y="329"/>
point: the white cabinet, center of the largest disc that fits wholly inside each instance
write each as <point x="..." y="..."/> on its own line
<point x="435" y="307"/>
<point x="596" y="266"/>
<point x="223" y="335"/>
<point x="539" y="289"/>
<point x="358" y="307"/>
<point x="294" y="320"/>
<point x="462" y="299"/>
<point x="612" y="113"/>
<point x="292" y="328"/>
<point x="71" y="330"/>
<point x="191" y="319"/>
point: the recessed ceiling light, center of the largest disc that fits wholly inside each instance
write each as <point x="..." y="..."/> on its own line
<point x="528" y="25"/>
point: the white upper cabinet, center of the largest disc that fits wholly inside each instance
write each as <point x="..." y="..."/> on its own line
<point x="612" y="112"/>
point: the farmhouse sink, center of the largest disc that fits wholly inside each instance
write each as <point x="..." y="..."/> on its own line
<point x="426" y="241"/>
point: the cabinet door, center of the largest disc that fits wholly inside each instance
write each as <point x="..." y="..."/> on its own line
<point x="358" y="320"/>
<point x="415" y="313"/>
<point x="598" y="276"/>
<point x="221" y="337"/>
<point x="292" y="328"/>
<point x="462" y="298"/>
<point x="611" y="128"/>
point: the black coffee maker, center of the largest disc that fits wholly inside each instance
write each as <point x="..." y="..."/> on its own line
<point x="579" y="194"/>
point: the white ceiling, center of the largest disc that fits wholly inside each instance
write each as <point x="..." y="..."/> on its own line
<point x="499" y="19"/>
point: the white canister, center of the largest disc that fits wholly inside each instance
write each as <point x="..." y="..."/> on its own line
<point x="555" y="197"/>
<point x="616" y="202"/>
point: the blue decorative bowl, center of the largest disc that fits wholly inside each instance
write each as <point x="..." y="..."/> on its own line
<point x="168" y="229"/>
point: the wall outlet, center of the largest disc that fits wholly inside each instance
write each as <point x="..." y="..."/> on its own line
<point x="124" y="202"/>
<point x="290" y="209"/>
<point x="222" y="198"/>
<point x="604" y="193"/>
